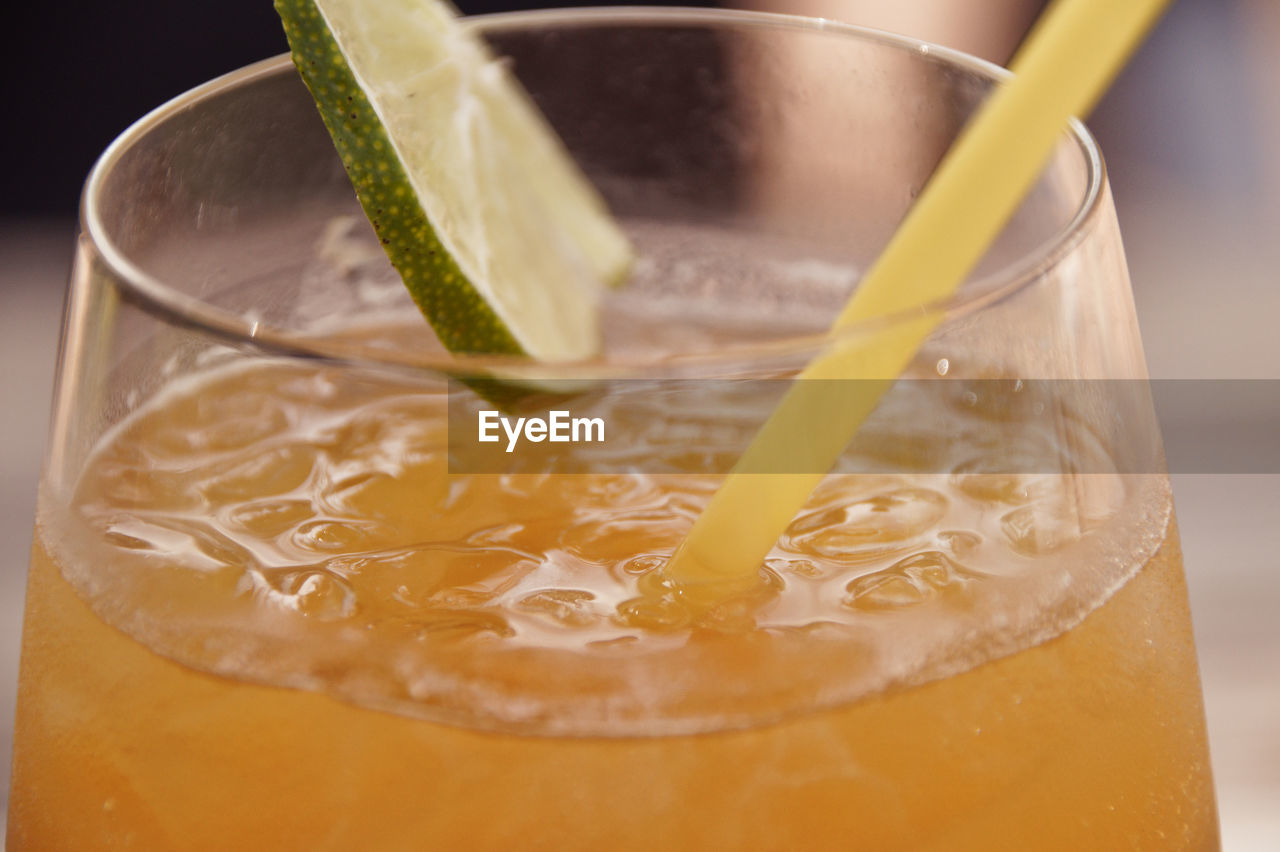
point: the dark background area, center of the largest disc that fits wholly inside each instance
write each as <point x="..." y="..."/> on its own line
<point x="79" y="73"/>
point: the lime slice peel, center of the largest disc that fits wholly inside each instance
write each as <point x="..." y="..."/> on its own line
<point x="502" y="243"/>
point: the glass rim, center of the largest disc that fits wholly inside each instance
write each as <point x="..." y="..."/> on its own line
<point x="169" y="304"/>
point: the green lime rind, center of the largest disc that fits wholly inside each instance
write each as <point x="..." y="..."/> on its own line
<point x="461" y="317"/>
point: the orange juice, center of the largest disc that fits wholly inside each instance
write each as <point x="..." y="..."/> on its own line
<point x="270" y="619"/>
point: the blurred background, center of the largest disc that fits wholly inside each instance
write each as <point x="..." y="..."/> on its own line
<point x="1191" y="133"/>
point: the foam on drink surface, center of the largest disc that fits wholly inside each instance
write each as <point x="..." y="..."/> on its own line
<point x="276" y="524"/>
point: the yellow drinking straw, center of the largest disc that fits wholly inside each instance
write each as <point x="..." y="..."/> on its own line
<point x="1064" y="66"/>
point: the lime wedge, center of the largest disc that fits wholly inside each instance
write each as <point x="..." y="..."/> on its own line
<point x="501" y="241"/>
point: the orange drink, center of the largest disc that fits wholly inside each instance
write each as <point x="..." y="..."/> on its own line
<point x="309" y="636"/>
<point x="271" y="607"/>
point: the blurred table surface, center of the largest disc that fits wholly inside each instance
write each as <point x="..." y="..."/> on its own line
<point x="1192" y="137"/>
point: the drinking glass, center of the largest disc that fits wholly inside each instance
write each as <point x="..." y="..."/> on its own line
<point x="273" y="602"/>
